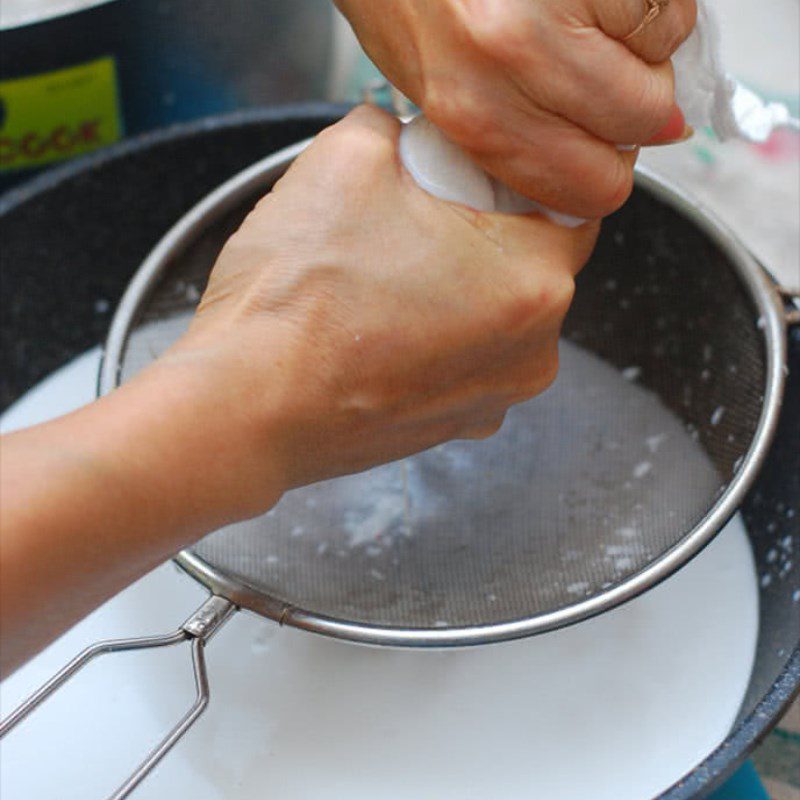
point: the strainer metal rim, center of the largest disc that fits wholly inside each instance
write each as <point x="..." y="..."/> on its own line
<point x="762" y="293"/>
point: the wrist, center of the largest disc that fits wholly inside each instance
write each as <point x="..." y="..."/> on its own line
<point x="183" y="438"/>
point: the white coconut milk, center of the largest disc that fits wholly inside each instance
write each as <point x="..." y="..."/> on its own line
<point x="616" y="708"/>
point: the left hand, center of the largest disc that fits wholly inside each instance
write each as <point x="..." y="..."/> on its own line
<point x="538" y="92"/>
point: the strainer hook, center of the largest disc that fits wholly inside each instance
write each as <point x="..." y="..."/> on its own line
<point x="197" y="629"/>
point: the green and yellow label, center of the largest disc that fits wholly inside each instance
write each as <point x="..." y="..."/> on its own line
<point x="58" y="115"/>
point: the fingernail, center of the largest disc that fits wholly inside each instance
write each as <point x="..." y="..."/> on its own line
<point x="688" y="132"/>
<point x="676" y="130"/>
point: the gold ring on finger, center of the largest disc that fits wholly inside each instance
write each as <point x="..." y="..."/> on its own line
<point x="652" y="8"/>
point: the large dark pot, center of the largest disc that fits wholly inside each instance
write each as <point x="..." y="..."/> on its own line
<point x="73" y="238"/>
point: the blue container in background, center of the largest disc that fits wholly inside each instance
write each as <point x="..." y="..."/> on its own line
<point x="744" y="785"/>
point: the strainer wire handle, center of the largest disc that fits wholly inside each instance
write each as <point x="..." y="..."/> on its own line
<point x="197" y="629"/>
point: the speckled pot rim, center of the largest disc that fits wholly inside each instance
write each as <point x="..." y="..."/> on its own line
<point x="42" y="182"/>
<point x="743" y="739"/>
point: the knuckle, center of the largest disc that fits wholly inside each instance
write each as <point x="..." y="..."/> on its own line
<point x="561" y="291"/>
<point x="523" y="306"/>
<point x="665" y="41"/>
<point x="614" y="188"/>
<point x="689" y="8"/>
<point x="501" y="33"/>
<point x="674" y="38"/>
<point x="685" y="18"/>
<point x="541" y="374"/>
<point x="362" y="144"/>
<point x="462" y="116"/>
<point x="545" y="372"/>
<point x="660" y="43"/>
<point x="487" y="429"/>
<point x="351" y="141"/>
<point x="537" y="298"/>
<point x="660" y="40"/>
<point x="603" y="183"/>
<point x="548" y="371"/>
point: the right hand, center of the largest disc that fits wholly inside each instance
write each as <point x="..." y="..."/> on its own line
<point x="354" y="319"/>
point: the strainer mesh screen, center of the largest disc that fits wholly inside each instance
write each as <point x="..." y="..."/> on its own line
<point x="658" y="399"/>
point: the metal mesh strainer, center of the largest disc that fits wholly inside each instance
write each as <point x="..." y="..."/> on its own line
<point x="627" y="466"/>
<point x="670" y="386"/>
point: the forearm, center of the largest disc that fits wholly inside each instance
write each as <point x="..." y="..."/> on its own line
<point x="92" y="501"/>
<point x="312" y="355"/>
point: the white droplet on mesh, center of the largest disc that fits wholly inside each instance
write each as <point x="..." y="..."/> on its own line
<point x="654" y="442"/>
<point x="618" y="550"/>
<point x="579" y="587"/>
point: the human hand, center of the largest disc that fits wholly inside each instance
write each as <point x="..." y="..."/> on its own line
<point x="538" y="92"/>
<point x="354" y="319"/>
